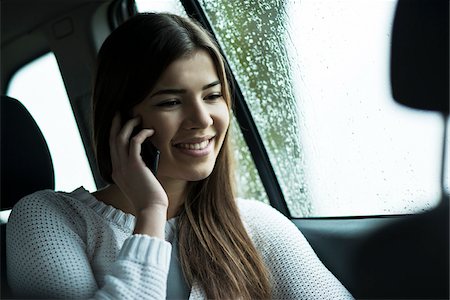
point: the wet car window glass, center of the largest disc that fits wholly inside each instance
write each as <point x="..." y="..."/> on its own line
<point x="39" y="86"/>
<point x="170" y="6"/>
<point x="315" y="75"/>
<point x="250" y="185"/>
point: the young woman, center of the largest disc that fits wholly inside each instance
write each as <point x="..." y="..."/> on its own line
<point x="161" y="78"/>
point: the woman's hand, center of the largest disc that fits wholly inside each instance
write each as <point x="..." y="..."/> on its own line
<point x="134" y="178"/>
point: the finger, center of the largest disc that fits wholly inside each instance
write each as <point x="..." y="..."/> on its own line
<point x="122" y="141"/>
<point x="136" y="143"/>
<point x="115" y="128"/>
<point x="127" y="129"/>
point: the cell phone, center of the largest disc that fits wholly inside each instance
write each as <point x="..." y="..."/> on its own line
<point x="149" y="153"/>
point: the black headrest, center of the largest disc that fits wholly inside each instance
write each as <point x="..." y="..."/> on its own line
<point x="26" y="164"/>
<point x="420" y="54"/>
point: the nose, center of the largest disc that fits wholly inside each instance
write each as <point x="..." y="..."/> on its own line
<point x="198" y="115"/>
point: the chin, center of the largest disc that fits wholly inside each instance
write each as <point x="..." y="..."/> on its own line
<point x="190" y="174"/>
<point x="198" y="175"/>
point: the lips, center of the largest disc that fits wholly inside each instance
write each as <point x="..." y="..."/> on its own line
<point x="197" y="147"/>
<point x="193" y="146"/>
<point x="192" y="140"/>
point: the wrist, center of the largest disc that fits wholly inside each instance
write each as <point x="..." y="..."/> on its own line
<point x="151" y="221"/>
<point x="152" y="209"/>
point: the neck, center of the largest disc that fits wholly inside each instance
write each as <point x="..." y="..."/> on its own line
<point x="176" y="192"/>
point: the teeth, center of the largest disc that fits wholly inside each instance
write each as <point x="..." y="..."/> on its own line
<point x="196" y="146"/>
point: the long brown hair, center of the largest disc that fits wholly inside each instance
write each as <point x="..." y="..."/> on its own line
<point x="214" y="247"/>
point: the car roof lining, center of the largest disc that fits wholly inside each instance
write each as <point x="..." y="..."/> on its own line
<point x="22" y="36"/>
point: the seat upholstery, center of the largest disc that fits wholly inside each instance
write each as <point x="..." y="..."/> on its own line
<point x="26" y="164"/>
<point x="420" y="55"/>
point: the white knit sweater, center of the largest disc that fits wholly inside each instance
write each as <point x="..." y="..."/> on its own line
<point x="70" y="245"/>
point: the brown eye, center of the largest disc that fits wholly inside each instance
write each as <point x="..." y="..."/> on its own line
<point x="213" y="97"/>
<point x="169" y="103"/>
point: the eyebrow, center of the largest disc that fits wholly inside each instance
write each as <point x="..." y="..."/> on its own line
<point x="182" y="91"/>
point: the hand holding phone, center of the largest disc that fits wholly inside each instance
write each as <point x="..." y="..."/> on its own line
<point x="146" y="196"/>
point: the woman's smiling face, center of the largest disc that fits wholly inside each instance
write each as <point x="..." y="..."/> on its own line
<point x="189" y="115"/>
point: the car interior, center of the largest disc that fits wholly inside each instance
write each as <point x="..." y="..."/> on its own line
<point x="399" y="256"/>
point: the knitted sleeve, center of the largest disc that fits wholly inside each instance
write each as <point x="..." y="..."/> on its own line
<point x="297" y="272"/>
<point x="46" y="257"/>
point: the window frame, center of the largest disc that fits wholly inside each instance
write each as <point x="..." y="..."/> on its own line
<point x="56" y="161"/>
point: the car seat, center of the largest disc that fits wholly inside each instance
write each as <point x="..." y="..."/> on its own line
<point x="409" y="259"/>
<point x="26" y="164"/>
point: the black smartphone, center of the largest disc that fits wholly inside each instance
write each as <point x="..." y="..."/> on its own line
<point x="149" y="153"/>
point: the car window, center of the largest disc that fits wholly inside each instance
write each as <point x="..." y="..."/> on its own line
<point x="170" y="6"/>
<point x="250" y="185"/>
<point x="40" y="88"/>
<point x="315" y="75"/>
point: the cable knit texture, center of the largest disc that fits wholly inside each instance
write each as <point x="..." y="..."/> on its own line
<point x="70" y="245"/>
